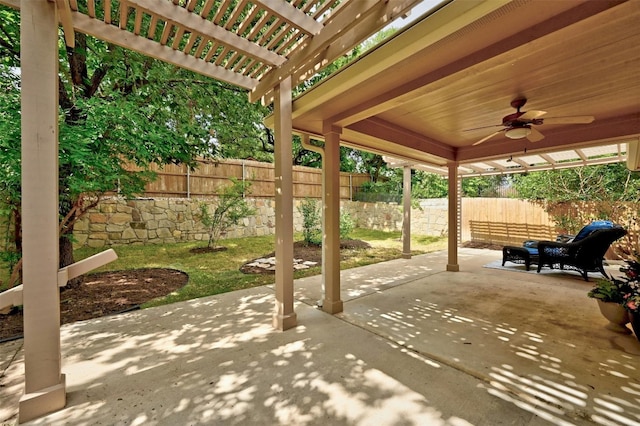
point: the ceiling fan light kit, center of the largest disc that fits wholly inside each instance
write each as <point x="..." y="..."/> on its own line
<point x="518" y="132"/>
<point x="519" y="124"/>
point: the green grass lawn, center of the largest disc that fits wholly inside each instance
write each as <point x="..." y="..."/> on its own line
<point x="218" y="272"/>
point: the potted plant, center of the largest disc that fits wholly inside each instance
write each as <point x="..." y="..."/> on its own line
<point x="631" y="294"/>
<point x="610" y="295"/>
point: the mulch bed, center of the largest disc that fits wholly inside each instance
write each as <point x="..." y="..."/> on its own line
<point x="109" y="293"/>
<point x="103" y="294"/>
<point x="481" y="245"/>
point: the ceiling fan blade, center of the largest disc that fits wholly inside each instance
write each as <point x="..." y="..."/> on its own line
<point x="486" y="138"/>
<point x="578" y="119"/>
<point x="531" y="115"/>
<point x="535" y="135"/>
<point x="483" y="127"/>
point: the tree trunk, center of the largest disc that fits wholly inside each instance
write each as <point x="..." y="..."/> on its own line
<point x="65" y="246"/>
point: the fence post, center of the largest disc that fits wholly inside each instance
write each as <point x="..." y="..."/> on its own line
<point x="243" y="171"/>
<point x="188" y="182"/>
<point x="350" y="187"/>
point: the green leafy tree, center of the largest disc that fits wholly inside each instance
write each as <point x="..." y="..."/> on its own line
<point x="428" y="185"/>
<point x="228" y="210"/>
<point x="611" y="182"/>
<point x="573" y="197"/>
<point x="483" y="186"/>
<point x="119" y="113"/>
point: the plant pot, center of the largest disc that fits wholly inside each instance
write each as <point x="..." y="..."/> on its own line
<point x="616" y="314"/>
<point x="634" y="319"/>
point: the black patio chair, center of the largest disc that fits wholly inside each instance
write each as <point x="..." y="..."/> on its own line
<point x="583" y="256"/>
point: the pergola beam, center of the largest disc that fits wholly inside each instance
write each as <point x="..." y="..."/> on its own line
<point x="191" y="22"/>
<point x="150" y="48"/>
<point x="292" y="15"/>
<point x="64" y="12"/>
<point x="147" y="47"/>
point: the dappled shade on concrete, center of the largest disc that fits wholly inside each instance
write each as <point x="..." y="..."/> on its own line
<point x="415" y="345"/>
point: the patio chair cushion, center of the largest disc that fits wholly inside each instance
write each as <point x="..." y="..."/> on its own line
<point x="588" y="229"/>
<point x="585" y="231"/>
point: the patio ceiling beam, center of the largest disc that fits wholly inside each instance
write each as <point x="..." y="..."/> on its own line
<point x="496" y="166"/>
<point x="548" y="159"/>
<point x="369" y="64"/>
<point x="474" y="167"/>
<point x="292" y="15"/>
<point x="581" y="154"/>
<point x="521" y="162"/>
<point x="387" y="131"/>
<point x="382" y="150"/>
<point x="194" y="23"/>
<point x="336" y="29"/>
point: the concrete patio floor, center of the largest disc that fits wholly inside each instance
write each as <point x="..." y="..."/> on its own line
<point x="416" y="345"/>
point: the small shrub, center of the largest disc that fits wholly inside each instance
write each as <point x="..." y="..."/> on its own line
<point x="229" y="209"/>
<point x="346" y="225"/>
<point x="311" y="221"/>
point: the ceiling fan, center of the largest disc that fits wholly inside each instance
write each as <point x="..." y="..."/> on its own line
<point x="520" y="124"/>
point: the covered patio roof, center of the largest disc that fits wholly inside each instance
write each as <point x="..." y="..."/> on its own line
<point x="430" y="93"/>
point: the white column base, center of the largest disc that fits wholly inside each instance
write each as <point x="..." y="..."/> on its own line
<point x="37" y="404"/>
<point x="332" y="307"/>
<point x="285" y="322"/>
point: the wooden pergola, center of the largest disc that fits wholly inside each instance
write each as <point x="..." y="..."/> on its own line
<point x="412" y="98"/>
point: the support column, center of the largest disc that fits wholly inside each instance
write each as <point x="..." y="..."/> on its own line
<point x="284" y="316"/>
<point x="331" y="221"/>
<point x="406" y="216"/>
<point x="452" y="264"/>
<point x="44" y="383"/>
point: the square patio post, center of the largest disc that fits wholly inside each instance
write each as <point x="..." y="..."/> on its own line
<point x="284" y="316"/>
<point x="452" y="264"/>
<point x="44" y="383"/>
<point x="406" y="213"/>
<point x="331" y="221"/>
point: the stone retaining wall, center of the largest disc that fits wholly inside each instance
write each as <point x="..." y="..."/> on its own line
<point x="117" y="221"/>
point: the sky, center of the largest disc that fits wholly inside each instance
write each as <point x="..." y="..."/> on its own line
<point x="416" y="12"/>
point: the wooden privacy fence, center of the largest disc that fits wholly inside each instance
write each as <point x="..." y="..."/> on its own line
<point x="509" y="221"/>
<point x="505" y="221"/>
<point x="210" y="176"/>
